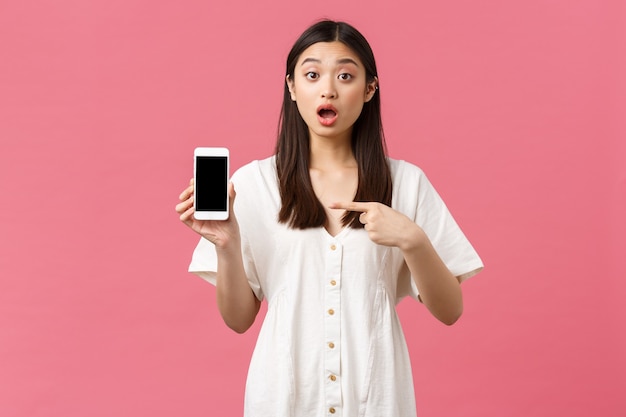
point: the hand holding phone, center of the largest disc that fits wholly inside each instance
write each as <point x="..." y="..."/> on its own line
<point x="211" y="167"/>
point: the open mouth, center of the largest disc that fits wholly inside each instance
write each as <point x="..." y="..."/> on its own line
<point x="326" y="115"/>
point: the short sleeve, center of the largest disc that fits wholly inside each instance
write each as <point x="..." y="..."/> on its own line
<point x="204" y="258"/>
<point x="204" y="264"/>
<point x="432" y="215"/>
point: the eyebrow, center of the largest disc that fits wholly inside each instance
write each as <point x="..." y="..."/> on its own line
<point x="340" y="61"/>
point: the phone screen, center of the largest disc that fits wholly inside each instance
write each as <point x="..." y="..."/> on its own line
<point x="211" y="183"/>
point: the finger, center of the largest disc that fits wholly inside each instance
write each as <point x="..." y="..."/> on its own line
<point x="352" y="206"/>
<point x="231" y="192"/>
<point x="186" y="216"/>
<point x="362" y="218"/>
<point x="231" y="199"/>
<point x="185" y="205"/>
<point x="187" y="192"/>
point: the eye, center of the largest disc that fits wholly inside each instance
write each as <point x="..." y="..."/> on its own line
<point x="311" y="75"/>
<point x="345" y="76"/>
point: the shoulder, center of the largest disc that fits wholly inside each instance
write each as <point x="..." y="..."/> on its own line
<point x="256" y="184"/>
<point x="411" y="187"/>
<point x="256" y="167"/>
<point x="404" y="173"/>
<point x="254" y="171"/>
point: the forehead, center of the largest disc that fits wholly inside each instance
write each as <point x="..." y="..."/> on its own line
<point x="329" y="53"/>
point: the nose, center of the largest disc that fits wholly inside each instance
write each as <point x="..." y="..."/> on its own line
<point x="328" y="89"/>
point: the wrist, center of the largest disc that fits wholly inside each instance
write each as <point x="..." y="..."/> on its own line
<point x="413" y="239"/>
<point x="228" y="246"/>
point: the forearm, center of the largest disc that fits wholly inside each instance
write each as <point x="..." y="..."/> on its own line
<point x="439" y="289"/>
<point x="237" y="303"/>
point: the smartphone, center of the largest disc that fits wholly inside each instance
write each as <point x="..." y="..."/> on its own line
<point x="210" y="175"/>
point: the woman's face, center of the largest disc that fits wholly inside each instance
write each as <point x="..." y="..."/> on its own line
<point x="329" y="87"/>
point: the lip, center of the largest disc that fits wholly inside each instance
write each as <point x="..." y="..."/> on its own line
<point x="325" y="121"/>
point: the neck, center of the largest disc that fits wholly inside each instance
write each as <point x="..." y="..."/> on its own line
<point x="332" y="152"/>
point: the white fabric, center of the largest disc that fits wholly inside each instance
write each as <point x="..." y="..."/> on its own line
<point x="331" y="343"/>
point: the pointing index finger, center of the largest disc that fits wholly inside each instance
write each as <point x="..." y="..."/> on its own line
<point x="351" y="206"/>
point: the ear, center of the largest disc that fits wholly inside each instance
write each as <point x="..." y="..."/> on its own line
<point x="291" y="87"/>
<point x="370" y="89"/>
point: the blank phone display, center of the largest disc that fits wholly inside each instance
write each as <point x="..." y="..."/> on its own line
<point x="211" y="183"/>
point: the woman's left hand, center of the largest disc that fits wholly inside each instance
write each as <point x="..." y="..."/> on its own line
<point x="438" y="288"/>
<point x="385" y="225"/>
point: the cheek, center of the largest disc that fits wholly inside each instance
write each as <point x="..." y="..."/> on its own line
<point x="356" y="96"/>
<point x="356" y="100"/>
<point x="305" y="94"/>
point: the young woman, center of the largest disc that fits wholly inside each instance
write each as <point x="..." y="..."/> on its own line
<point x="332" y="233"/>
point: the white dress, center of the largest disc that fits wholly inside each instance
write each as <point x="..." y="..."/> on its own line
<point x="331" y="343"/>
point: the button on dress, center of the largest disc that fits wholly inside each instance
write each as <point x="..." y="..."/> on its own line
<point x="331" y="343"/>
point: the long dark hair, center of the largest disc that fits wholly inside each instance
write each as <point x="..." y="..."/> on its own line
<point x="301" y="208"/>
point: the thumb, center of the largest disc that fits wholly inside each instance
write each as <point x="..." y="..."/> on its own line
<point x="231" y="194"/>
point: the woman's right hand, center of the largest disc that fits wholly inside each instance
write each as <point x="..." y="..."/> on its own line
<point x="222" y="233"/>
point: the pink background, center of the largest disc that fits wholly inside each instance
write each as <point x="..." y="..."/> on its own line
<point x="514" y="109"/>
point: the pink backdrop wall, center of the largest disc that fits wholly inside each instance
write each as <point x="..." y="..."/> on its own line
<point x="514" y="109"/>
